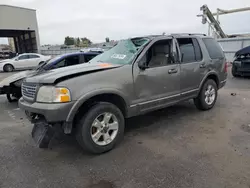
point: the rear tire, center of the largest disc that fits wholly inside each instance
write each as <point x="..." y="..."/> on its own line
<point x="8" y="68"/>
<point x="207" y="96"/>
<point x="94" y="133"/>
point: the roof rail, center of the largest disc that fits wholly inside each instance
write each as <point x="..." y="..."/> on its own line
<point x="188" y="34"/>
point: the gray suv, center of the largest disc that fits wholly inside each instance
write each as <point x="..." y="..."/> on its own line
<point x="136" y="76"/>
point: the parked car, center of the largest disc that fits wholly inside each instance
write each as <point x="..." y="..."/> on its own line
<point x="241" y="64"/>
<point x="23" y="61"/>
<point x="11" y="86"/>
<point x="100" y="50"/>
<point x="136" y="76"/>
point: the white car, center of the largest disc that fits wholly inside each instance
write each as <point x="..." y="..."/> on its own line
<point x="23" y="61"/>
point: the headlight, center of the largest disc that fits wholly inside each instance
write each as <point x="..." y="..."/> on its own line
<point x="237" y="62"/>
<point x="51" y="94"/>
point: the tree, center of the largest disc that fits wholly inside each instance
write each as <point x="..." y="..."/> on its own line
<point x="69" y="40"/>
<point x="85" y="42"/>
<point x="107" y="39"/>
<point x="78" y="42"/>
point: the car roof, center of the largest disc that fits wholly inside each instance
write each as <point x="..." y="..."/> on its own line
<point x="80" y="53"/>
<point x="29" y="54"/>
<point x="174" y="35"/>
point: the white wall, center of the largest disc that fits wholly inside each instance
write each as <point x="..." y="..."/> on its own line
<point x="17" y="18"/>
<point x="232" y="45"/>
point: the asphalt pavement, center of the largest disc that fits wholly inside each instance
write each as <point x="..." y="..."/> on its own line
<point x="178" y="146"/>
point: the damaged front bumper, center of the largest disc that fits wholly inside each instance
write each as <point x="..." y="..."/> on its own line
<point x="42" y="133"/>
<point x="47" y="119"/>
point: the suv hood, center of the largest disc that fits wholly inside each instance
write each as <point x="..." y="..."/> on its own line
<point x="60" y="74"/>
<point x="11" y="79"/>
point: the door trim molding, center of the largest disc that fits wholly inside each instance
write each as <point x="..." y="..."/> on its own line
<point x="190" y="91"/>
<point x="163" y="98"/>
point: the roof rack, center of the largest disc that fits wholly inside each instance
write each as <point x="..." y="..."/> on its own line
<point x="188" y="34"/>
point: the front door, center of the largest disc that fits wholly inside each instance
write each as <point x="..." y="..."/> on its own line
<point x="159" y="84"/>
<point x="22" y="62"/>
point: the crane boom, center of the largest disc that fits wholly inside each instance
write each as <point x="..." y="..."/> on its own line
<point x="221" y="11"/>
<point x="208" y="14"/>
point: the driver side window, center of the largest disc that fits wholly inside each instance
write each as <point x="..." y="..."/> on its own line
<point x="23" y="57"/>
<point x="68" y="61"/>
<point x="159" y="54"/>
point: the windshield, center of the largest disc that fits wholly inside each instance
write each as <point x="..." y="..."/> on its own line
<point x="123" y="53"/>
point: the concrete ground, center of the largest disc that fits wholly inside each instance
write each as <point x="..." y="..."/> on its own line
<point x="174" y="147"/>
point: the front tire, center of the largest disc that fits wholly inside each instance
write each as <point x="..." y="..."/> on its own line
<point x="10" y="98"/>
<point x="101" y="128"/>
<point x="207" y="96"/>
<point x="8" y="68"/>
<point x="234" y="72"/>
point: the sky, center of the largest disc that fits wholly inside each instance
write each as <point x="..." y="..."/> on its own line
<point x="118" y="19"/>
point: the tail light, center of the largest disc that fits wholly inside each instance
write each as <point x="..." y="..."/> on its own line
<point x="225" y="67"/>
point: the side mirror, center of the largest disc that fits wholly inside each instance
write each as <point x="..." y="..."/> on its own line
<point x="142" y="64"/>
<point x="16" y="59"/>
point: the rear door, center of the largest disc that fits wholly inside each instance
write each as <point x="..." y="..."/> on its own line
<point x="34" y="60"/>
<point x="192" y="66"/>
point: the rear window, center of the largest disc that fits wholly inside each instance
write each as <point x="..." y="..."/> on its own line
<point x="213" y="48"/>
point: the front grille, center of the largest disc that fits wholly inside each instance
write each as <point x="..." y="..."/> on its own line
<point x="29" y="91"/>
<point x="245" y="65"/>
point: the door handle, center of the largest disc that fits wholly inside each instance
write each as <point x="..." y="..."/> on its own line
<point x="203" y="65"/>
<point x="172" y="71"/>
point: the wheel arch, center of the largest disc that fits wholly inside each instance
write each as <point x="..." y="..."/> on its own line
<point x="211" y="75"/>
<point x="8" y="64"/>
<point x="86" y="101"/>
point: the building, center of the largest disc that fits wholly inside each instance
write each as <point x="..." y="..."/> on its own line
<point x="21" y="25"/>
<point x="12" y="44"/>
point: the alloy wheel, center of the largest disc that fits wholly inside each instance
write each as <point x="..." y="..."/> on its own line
<point x="104" y="129"/>
<point x="210" y="94"/>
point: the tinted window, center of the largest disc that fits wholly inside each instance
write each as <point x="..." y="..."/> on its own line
<point x="197" y="50"/>
<point x="187" y="50"/>
<point x="159" y="54"/>
<point x="89" y="57"/>
<point x="213" y="48"/>
<point x="33" y="56"/>
<point x="23" y="57"/>
<point x="68" y="61"/>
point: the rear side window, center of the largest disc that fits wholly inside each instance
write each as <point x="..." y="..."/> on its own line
<point x="213" y="48"/>
<point x="68" y="61"/>
<point x="89" y="57"/>
<point x="33" y="56"/>
<point x="190" y="50"/>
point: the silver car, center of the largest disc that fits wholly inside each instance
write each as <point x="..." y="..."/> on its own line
<point x="136" y="76"/>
